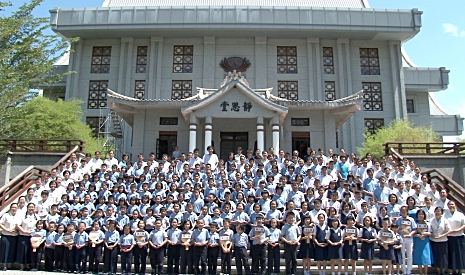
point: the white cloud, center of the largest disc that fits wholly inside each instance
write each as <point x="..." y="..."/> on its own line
<point x="453" y="29"/>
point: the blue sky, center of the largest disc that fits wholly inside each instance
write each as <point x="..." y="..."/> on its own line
<point x="440" y="43"/>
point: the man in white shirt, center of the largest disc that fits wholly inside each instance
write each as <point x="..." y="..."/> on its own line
<point x="96" y="162"/>
<point x="111" y="160"/>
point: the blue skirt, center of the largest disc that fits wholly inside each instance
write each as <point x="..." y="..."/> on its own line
<point x="386" y="254"/>
<point x="321" y="253"/>
<point x="307" y="251"/>
<point x="440" y="254"/>
<point x="367" y="251"/>
<point x="334" y="252"/>
<point x="456" y="252"/>
<point x="350" y="251"/>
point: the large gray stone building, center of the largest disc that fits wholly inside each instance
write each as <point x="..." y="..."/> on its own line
<point x="285" y="74"/>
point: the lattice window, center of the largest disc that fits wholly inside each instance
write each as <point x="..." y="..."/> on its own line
<point x="139" y="89"/>
<point x="141" y="60"/>
<point x="101" y="57"/>
<point x="288" y="90"/>
<point x="183" y="59"/>
<point x="328" y="60"/>
<point x="330" y="90"/>
<point x="369" y="61"/>
<point x="94" y="123"/>
<point x="372" y="124"/>
<point x="97" y="94"/>
<point x="287" y="60"/>
<point x="372" y="96"/>
<point x="181" y="89"/>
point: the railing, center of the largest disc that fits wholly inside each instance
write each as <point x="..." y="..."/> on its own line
<point x="42" y="145"/>
<point x="426" y="148"/>
<point x="454" y="190"/>
<point x="12" y="190"/>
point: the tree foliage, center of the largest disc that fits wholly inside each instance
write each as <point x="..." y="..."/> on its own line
<point x="398" y="130"/>
<point x="47" y="119"/>
<point x="27" y="55"/>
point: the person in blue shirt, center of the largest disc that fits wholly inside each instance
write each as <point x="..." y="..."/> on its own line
<point x="226" y="246"/>
<point x="174" y="247"/>
<point x="68" y="251"/>
<point x="126" y="245"/>
<point x="140" y="249"/>
<point x="38" y="237"/>
<point x="200" y="238"/>
<point x="213" y="251"/>
<point x="157" y="241"/>
<point x="240" y="242"/>
<point x="95" y="247"/>
<point x="407" y="227"/>
<point x="273" y="248"/>
<point x="122" y="219"/>
<point x="80" y="240"/>
<point x="259" y="235"/>
<point x="110" y="256"/>
<point x="290" y="235"/>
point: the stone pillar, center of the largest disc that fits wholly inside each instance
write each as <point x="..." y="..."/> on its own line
<point x="261" y="67"/>
<point x="152" y="66"/>
<point x="397" y="83"/>
<point x="315" y="69"/>
<point x="260" y="134"/>
<point x="72" y="80"/>
<point x="124" y="75"/>
<point x="192" y="133"/>
<point x="209" y="62"/>
<point x="208" y="132"/>
<point x="275" y="130"/>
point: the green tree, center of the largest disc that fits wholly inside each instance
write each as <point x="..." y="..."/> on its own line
<point x="27" y="55"/>
<point x="398" y="130"/>
<point x="47" y="119"/>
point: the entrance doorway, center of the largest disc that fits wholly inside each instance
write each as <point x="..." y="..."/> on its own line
<point x="300" y="142"/>
<point x="166" y="142"/>
<point x="230" y="141"/>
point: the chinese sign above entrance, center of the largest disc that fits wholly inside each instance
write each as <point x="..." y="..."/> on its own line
<point x="235" y="106"/>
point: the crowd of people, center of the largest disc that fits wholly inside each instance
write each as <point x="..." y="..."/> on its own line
<point x="331" y="209"/>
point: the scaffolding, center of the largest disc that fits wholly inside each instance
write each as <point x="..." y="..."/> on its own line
<point x="110" y="132"/>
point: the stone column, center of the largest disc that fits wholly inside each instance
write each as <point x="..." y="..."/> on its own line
<point x="192" y="133"/>
<point x="275" y="129"/>
<point x="315" y="69"/>
<point x="72" y="80"/>
<point x="397" y="83"/>
<point x="152" y="65"/>
<point x="208" y="132"/>
<point x="209" y="62"/>
<point x="260" y="134"/>
<point x="261" y="67"/>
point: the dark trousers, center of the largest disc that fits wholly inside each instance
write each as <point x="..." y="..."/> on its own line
<point x="258" y="255"/>
<point x="212" y="259"/>
<point x="69" y="256"/>
<point x="200" y="255"/>
<point x="110" y="258"/>
<point x="59" y="257"/>
<point x="226" y="262"/>
<point x="140" y="259"/>
<point x="156" y="259"/>
<point x="95" y="254"/>
<point x="240" y="253"/>
<point x="81" y="259"/>
<point x="273" y="259"/>
<point x="186" y="261"/>
<point x="37" y="256"/>
<point x="126" y="262"/>
<point x="8" y="245"/>
<point x="174" y="252"/>
<point x="23" y="254"/>
<point x="290" y="255"/>
<point x="49" y="256"/>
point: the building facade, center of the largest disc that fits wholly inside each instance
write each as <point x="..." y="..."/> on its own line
<point x="250" y="73"/>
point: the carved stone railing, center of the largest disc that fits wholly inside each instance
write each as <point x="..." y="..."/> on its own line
<point x="425" y="148"/>
<point x="42" y="145"/>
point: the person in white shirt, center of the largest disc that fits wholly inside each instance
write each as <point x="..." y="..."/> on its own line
<point x="211" y="158"/>
<point x="111" y="160"/>
<point x="443" y="201"/>
<point x="455" y="238"/>
<point x="96" y="162"/>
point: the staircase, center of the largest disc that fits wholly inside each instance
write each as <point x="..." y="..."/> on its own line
<point x="117" y="128"/>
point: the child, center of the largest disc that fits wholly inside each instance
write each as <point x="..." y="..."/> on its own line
<point x="200" y="238"/>
<point x="59" y="249"/>
<point x="306" y="252"/>
<point x="50" y="246"/>
<point x="259" y="235"/>
<point x="157" y="241"/>
<point x="226" y="245"/>
<point x="386" y="242"/>
<point x="95" y="247"/>
<point x="273" y="248"/>
<point x="321" y="246"/>
<point x="174" y="249"/>
<point x="80" y="240"/>
<point x="398" y="258"/>
<point x="290" y="235"/>
<point x="213" y="249"/>
<point x="37" y="240"/>
<point x="126" y="244"/>
<point x="140" y="249"/>
<point x="350" y="251"/>
<point x="186" y="260"/>
<point x="68" y="250"/>
<point x="367" y="235"/>
<point x="334" y="239"/>
<point x="241" y="241"/>
<point x="110" y="255"/>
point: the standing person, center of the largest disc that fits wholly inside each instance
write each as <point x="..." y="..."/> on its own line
<point x="367" y="235"/>
<point x="80" y="240"/>
<point x="334" y="239"/>
<point x="25" y="227"/>
<point x="9" y="240"/>
<point x="306" y="252"/>
<point x="422" y="251"/>
<point x="211" y="158"/>
<point x="321" y="246"/>
<point x="157" y="241"/>
<point x="110" y="256"/>
<point x="37" y="243"/>
<point x="439" y="229"/>
<point x="59" y="252"/>
<point x="241" y="241"/>
<point x="186" y="249"/>
<point x="273" y="248"/>
<point x="455" y="238"/>
<point x="50" y="246"/>
<point x="407" y="227"/>
<point x="140" y="249"/>
<point x="174" y="247"/>
<point x="200" y="238"/>
<point x="386" y="246"/>
<point x="398" y="244"/>
<point x="69" y="252"/>
<point x="290" y="235"/>
<point x="226" y="245"/>
<point x="95" y="247"/>
<point x="213" y="251"/>
<point x="126" y="245"/>
<point x="259" y="235"/>
<point x="350" y="251"/>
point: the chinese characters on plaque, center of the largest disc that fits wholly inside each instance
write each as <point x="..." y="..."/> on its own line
<point x="235" y="107"/>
